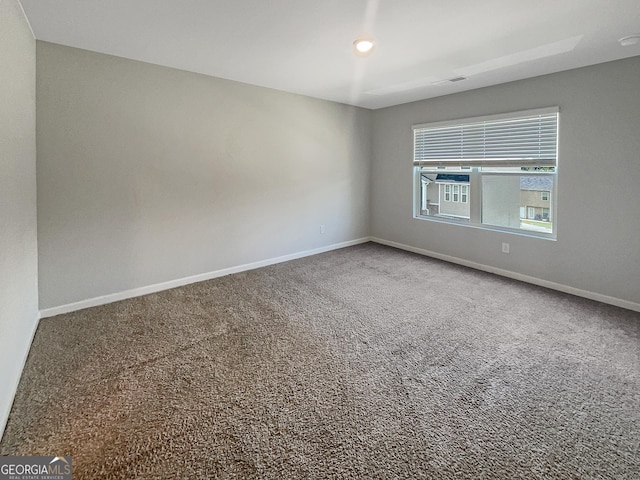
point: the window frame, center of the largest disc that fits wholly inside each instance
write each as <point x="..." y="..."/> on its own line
<point x="476" y="173"/>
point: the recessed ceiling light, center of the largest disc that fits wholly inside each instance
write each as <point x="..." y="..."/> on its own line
<point x="630" y="40"/>
<point x="363" y="46"/>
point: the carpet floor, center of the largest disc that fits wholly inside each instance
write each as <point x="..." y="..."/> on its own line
<point x="364" y="362"/>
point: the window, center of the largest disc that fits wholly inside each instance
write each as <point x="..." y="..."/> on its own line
<point x="497" y="172"/>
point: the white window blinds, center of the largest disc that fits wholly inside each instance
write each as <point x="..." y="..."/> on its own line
<point x="522" y="138"/>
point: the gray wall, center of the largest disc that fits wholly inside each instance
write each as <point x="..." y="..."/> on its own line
<point x="18" y="243"/>
<point x="148" y="174"/>
<point x="598" y="245"/>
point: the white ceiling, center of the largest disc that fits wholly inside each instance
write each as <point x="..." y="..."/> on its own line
<point x="305" y="46"/>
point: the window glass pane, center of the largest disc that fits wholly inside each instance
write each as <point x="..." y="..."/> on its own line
<point x="515" y="201"/>
<point x="437" y="197"/>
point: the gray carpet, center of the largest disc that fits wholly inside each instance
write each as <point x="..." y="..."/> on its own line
<point x="366" y="362"/>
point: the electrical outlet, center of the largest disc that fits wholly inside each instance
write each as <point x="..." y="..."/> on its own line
<point x="322" y="229"/>
<point x="505" y="247"/>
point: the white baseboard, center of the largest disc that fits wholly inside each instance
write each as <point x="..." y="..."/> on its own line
<point x="137" y="292"/>
<point x="618" y="302"/>
<point x="14" y="385"/>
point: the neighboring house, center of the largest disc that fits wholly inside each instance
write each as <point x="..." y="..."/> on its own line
<point x="445" y="194"/>
<point x="535" y="198"/>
